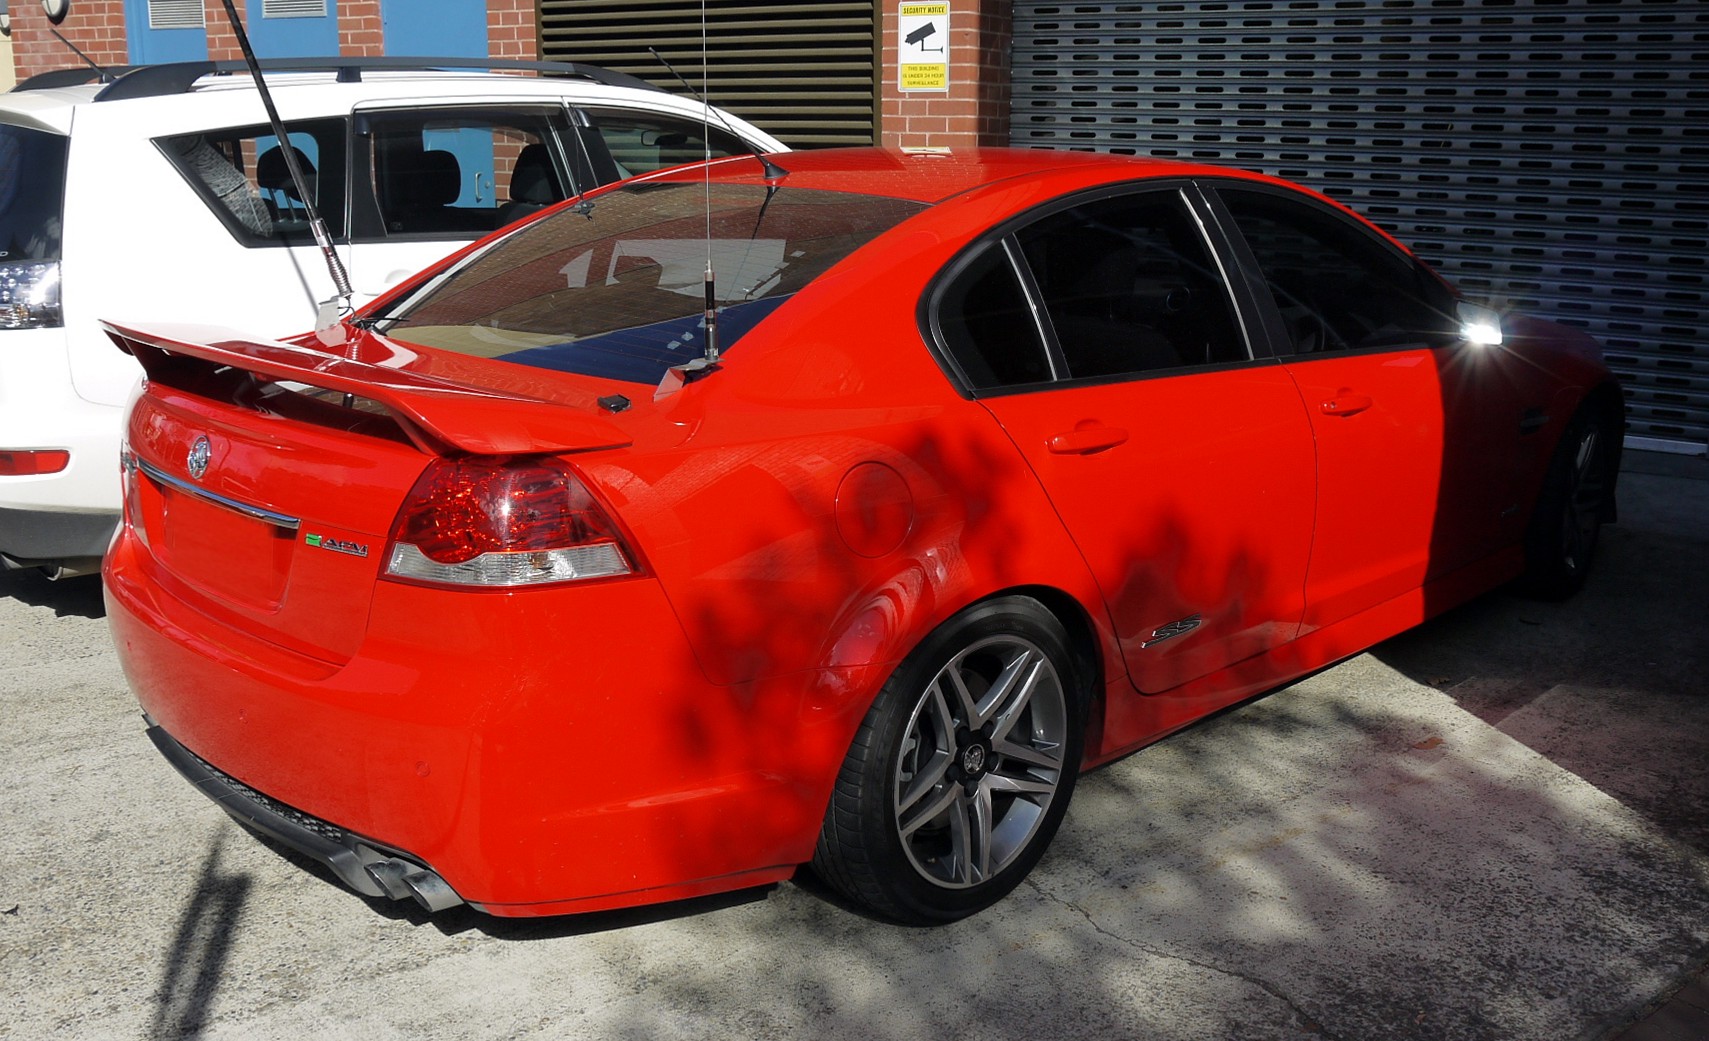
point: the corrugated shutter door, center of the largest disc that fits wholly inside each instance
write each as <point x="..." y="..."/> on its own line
<point x="1551" y="154"/>
<point x="805" y="72"/>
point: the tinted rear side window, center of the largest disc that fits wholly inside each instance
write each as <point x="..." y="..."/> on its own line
<point x="1130" y="287"/>
<point x="242" y="177"/>
<point x="984" y="322"/>
<point x="32" y="193"/>
<point x="618" y="291"/>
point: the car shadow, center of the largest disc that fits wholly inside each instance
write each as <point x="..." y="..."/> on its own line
<point x="454" y="921"/>
<point x="1607" y="685"/>
<point x="70" y="597"/>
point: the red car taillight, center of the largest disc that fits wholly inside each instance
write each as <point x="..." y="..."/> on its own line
<point x="503" y="522"/>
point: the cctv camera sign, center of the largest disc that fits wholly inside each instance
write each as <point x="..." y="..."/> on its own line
<point x="922" y="44"/>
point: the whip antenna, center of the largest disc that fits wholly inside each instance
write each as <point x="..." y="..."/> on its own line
<point x="328" y="317"/>
<point x="706" y="168"/>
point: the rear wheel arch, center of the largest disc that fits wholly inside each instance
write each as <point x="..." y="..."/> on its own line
<point x="1091" y="663"/>
<point x="962" y="769"/>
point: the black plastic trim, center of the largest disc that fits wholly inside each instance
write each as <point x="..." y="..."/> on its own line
<point x="147" y="81"/>
<point x="348" y="856"/>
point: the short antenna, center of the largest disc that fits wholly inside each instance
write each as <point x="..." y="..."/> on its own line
<point x="773" y="172"/>
<point x="103" y="73"/>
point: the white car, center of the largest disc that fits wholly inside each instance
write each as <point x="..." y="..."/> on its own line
<point x="163" y="194"/>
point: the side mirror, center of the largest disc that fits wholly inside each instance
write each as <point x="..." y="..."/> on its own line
<point x="1480" y="326"/>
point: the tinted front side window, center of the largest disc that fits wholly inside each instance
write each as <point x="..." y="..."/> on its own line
<point x="32" y="192"/>
<point x="618" y="291"/>
<point x="1339" y="288"/>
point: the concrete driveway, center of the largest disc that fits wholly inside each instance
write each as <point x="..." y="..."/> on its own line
<point x="1493" y="827"/>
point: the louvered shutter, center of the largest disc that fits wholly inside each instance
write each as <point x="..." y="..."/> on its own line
<point x="175" y="14"/>
<point x="1554" y="153"/>
<point x="805" y="72"/>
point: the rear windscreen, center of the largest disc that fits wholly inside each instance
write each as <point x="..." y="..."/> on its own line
<point x="32" y="192"/>
<point x="617" y="290"/>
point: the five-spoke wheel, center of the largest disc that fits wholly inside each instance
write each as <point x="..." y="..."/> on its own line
<point x="962" y="769"/>
<point x="1575" y="501"/>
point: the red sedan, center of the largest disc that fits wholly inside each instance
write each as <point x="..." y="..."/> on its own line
<point x="736" y="519"/>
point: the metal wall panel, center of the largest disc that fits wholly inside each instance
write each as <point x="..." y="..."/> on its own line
<point x="805" y="72"/>
<point x="1553" y="154"/>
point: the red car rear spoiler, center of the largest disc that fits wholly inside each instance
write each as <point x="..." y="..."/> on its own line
<point x="455" y="415"/>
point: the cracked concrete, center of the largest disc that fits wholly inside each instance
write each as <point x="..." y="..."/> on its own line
<point x="1494" y="828"/>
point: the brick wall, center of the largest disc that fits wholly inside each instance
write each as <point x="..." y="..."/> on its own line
<point x="360" y="34"/>
<point x="222" y="42"/>
<point x="512" y="29"/>
<point x="975" y="108"/>
<point x="96" y="27"/>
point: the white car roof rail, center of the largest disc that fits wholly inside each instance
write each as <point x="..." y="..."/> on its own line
<point x="144" y="81"/>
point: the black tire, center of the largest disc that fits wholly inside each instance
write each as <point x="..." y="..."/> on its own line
<point x="1577" y="495"/>
<point x="962" y="769"/>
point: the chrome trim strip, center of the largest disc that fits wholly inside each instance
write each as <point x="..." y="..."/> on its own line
<point x="179" y="484"/>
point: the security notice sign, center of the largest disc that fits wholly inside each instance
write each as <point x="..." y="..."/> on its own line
<point x="922" y="37"/>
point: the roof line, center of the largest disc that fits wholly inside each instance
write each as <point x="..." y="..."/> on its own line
<point x="146" y="81"/>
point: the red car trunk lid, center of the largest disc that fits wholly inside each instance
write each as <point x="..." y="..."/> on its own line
<point x="266" y="501"/>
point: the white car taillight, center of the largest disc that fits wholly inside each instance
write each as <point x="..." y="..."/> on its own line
<point x="503" y="523"/>
<point x="29" y="295"/>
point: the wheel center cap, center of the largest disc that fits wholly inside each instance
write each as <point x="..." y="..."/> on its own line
<point x="974" y="759"/>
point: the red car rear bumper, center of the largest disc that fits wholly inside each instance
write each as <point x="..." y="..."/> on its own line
<point x="539" y="760"/>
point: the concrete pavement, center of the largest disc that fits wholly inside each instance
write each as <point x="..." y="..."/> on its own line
<point x="1493" y="827"/>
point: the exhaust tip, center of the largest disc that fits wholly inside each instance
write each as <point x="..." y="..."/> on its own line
<point x="401" y="880"/>
<point x="430" y="891"/>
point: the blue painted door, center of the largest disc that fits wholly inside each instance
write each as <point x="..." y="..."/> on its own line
<point x="150" y="46"/>
<point x="441" y="28"/>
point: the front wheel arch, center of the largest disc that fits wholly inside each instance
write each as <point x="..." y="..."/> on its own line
<point x="1576" y="499"/>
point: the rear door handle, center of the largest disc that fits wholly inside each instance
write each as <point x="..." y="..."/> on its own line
<point x="1086" y="440"/>
<point x="1345" y="404"/>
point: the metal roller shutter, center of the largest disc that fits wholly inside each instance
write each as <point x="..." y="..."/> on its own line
<point x="1550" y="153"/>
<point x="805" y="72"/>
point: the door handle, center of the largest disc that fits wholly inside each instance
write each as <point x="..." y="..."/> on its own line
<point x="1345" y="404"/>
<point x="1086" y="440"/>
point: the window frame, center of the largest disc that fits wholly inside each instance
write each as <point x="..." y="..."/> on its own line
<point x="1427" y="281"/>
<point x="337" y="218"/>
<point x="367" y="220"/>
<point x="592" y="114"/>
<point x="1246" y="314"/>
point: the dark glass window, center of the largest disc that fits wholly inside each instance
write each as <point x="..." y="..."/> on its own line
<point x="983" y="321"/>
<point x="1339" y="287"/>
<point x="32" y="193"/>
<point x="1130" y="286"/>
